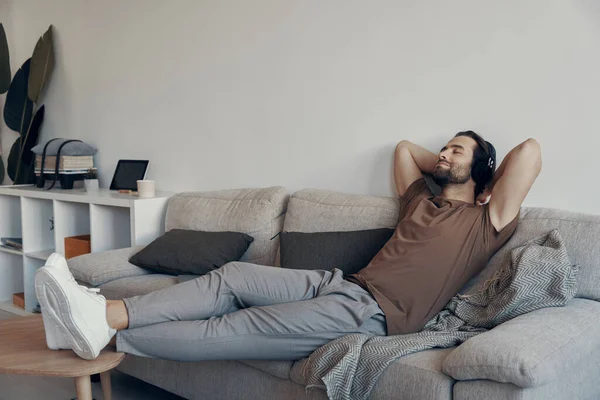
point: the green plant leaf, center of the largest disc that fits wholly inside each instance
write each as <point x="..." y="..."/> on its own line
<point x="4" y="63"/>
<point x="25" y="171"/>
<point x="13" y="159"/>
<point x="42" y="64"/>
<point x="26" y="155"/>
<point x="17" y="107"/>
<point x="1" y="171"/>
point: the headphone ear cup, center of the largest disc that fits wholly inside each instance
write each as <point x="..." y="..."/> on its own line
<point x="479" y="171"/>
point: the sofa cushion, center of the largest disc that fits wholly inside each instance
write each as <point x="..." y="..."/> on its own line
<point x="580" y="233"/>
<point x="95" y="269"/>
<point x="579" y="382"/>
<point x="136" y="285"/>
<point x="182" y="251"/>
<point x="416" y="376"/>
<point x="215" y="380"/>
<point x="314" y="210"/>
<point x="531" y="349"/>
<point x="256" y="212"/>
<point x="70" y="149"/>
<point x="280" y="369"/>
<point x="349" y="251"/>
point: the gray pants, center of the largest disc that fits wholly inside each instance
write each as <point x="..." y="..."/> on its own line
<point x="244" y="311"/>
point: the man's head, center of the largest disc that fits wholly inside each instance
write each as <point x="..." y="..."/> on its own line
<point x="467" y="159"/>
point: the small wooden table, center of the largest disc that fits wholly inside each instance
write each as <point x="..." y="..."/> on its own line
<point x="23" y="351"/>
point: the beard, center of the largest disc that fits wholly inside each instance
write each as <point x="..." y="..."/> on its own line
<point x="455" y="175"/>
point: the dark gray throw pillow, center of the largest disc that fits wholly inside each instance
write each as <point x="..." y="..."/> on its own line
<point x="181" y="251"/>
<point x="349" y="251"/>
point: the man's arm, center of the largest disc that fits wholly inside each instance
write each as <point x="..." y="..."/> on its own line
<point x="410" y="163"/>
<point x="512" y="182"/>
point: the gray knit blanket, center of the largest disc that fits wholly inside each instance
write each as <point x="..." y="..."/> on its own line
<point x="537" y="274"/>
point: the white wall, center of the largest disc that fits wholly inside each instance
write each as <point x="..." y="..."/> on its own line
<point x="224" y="93"/>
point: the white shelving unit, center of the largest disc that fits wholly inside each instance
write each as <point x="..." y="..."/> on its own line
<point x="43" y="218"/>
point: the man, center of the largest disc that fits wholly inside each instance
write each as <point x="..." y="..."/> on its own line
<point x="245" y="311"/>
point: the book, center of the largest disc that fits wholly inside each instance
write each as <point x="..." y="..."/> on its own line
<point x="62" y="171"/>
<point x="66" y="162"/>
<point x="10" y="247"/>
<point x="12" y="242"/>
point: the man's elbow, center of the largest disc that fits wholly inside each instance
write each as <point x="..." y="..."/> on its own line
<point x="402" y="143"/>
<point x="532" y="152"/>
<point x="532" y="145"/>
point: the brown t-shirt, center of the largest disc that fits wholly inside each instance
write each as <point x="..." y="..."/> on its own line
<point x="438" y="246"/>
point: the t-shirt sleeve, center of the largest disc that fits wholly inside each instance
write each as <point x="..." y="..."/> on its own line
<point x="414" y="193"/>
<point x="497" y="239"/>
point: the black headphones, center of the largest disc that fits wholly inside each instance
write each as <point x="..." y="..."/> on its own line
<point x="484" y="169"/>
<point x="492" y="155"/>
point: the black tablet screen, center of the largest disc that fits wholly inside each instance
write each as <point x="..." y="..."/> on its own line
<point x="127" y="174"/>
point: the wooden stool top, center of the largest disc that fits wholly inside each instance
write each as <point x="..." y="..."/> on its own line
<point x="23" y="351"/>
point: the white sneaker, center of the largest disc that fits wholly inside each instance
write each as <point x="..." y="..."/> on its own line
<point x="55" y="339"/>
<point x="76" y="309"/>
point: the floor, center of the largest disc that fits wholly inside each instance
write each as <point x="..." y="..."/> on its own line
<point x="125" y="387"/>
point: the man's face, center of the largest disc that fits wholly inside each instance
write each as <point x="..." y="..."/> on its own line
<point x="454" y="162"/>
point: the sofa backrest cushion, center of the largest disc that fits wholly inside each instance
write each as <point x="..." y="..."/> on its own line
<point x="255" y="212"/>
<point x="581" y="233"/>
<point x="315" y="210"/>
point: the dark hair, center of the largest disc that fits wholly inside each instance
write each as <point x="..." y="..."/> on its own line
<point x="484" y="161"/>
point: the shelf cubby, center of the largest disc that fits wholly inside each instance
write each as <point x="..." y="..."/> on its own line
<point x="37" y="220"/>
<point x="10" y="215"/>
<point x="70" y="219"/>
<point x="11" y="275"/>
<point x="110" y="227"/>
<point x="30" y="267"/>
<point x="44" y="218"/>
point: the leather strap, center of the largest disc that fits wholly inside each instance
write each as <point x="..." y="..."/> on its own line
<point x="42" y="181"/>
<point x="58" y="160"/>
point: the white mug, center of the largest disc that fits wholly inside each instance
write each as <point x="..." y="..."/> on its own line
<point x="145" y="188"/>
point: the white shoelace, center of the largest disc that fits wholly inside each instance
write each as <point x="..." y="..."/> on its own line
<point x="71" y="278"/>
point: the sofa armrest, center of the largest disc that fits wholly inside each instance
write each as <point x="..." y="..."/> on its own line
<point x="96" y="269"/>
<point x="532" y="349"/>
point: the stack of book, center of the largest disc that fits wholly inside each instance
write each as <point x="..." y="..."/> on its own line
<point x="66" y="163"/>
<point x="12" y="243"/>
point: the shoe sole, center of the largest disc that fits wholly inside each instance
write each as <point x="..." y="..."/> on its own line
<point x="46" y="284"/>
<point x="50" y="332"/>
<point x="54" y="336"/>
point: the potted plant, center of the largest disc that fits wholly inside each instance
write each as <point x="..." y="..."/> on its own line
<point x="23" y="112"/>
<point x="90" y="180"/>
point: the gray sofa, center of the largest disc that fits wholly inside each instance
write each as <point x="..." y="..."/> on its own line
<point x="547" y="354"/>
